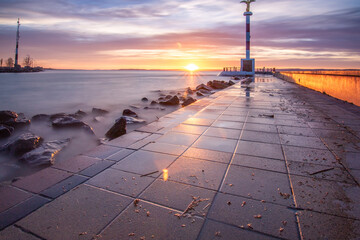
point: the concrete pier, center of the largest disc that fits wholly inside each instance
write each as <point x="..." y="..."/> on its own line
<point x="268" y="160"/>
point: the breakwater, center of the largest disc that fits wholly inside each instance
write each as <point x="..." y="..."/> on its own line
<point x="344" y="85"/>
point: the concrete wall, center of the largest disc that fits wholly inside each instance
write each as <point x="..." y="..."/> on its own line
<point x="342" y="85"/>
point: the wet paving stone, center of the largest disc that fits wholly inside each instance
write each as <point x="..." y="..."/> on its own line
<point x="148" y="221"/>
<point x="337" y="173"/>
<point x="258" y="149"/>
<point x="260" y="137"/>
<point x="145" y="141"/>
<point x="165" y="148"/>
<point x="199" y="121"/>
<point x="325" y="196"/>
<point x="197" y="172"/>
<point x="179" y="196"/>
<point x="216" y="144"/>
<point x="96" y="168"/>
<point x="120" y="155"/>
<point x="19" y="211"/>
<point x="329" y="126"/>
<point x="213" y="230"/>
<point x="253" y="215"/>
<point x="258" y="184"/>
<point x="10" y="196"/>
<point x="41" y="180"/>
<point x="128" y="139"/>
<point x="260" y="162"/>
<point x="299" y="131"/>
<point x="302" y="141"/>
<point x="310" y="155"/>
<point x="315" y="225"/>
<point x="121" y="182"/>
<point x="205" y="154"/>
<point x="82" y="212"/>
<point x="144" y="162"/>
<point x="76" y="164"/>
<point x="102" y="151"/>
<point x="260" y="127"/>
<point x="63" y="186"/>
<point x="185" y="128"/>
<point x="178" y="138"/>
<point x="232" y="118"/>
<point x="16" y="233"/>
<point x="223" y="133"/>
<point x="228" y="124"/>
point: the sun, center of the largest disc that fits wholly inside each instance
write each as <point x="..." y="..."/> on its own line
<point x="191" y="67"/>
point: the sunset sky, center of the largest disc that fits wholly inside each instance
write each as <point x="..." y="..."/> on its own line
<point x="168" y="34"/>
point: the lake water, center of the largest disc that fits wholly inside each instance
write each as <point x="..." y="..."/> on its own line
<point x="55" y="91"/>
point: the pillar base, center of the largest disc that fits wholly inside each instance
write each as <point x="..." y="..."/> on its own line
<point x="248" y="13"/>
<point x="248" y="65"/>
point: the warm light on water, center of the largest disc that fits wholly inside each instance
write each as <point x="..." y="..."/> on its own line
<point x="346" y="88"/>
<point x="165" y="174"/>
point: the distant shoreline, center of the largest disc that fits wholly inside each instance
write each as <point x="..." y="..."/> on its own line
<point x="20" y="70"/>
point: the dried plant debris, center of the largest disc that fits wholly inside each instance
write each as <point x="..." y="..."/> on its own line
<point x="258" y="216"/>
<point x="194" y="203"/>
<point x="243" y="203"/>
<point x="136" y="202"/>
<point x="218" y="234"/>
<point x="131" y="234"/>
<point x="284" y="195"/>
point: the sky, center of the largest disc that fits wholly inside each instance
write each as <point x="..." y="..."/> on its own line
<point x="169" y="34"/>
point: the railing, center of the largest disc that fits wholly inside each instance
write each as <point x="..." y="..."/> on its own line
<point x="231" y="69"/>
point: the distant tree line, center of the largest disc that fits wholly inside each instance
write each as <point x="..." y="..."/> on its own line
<point x="27" y="62"/>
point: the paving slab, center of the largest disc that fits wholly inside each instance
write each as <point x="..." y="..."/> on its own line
<point x="213" y="230"/>
<point x="257" y="149"/>
<point x="216" y="144"/>
<point x="186" y="128"/>
<point x="325" y="196"/>
<point x="10" y="196"/>
<point x="258" y="184"/>
<point x="199" y="121"/>
<point x="149" y="221"/>
<point x="121" y="182"/>
<point x="120" y="155"/>
<point x="16" y="233"/>
<point x="310" y="155"/>
<point x="260" y="162"/>
<point x="76" y="164"/>
<point x="96" y="168"/>
<point x="223" y="133"/>
<point x="197" y="172"/>
<point x="299" y="131"/>
<point x="144" y="162"/>
<point x="145" y="141"/>
<point x="41" y="180"/>
<point x="263" y="137"/>
<point x="274" y="220"/>
<point x="260" y="127"/>
<point x="176" y="138"/>
<point x="102" y="151"/>
<point x="179" y="196"/>
<point x="315" y="225"/>
<point x="302" y="141"/>
<point x="165" y="148"/>
<point x="206" y="154"/>
<point x="78" y="214"/>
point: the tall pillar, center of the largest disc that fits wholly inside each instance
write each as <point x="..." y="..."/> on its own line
<point x="247" y="14"/>
<point x="17" y="44"/>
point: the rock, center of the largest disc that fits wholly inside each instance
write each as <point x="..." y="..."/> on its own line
<point x="168" y="97"/>
<point x="128" y="112"/>
<point x="153" y="103"/>
<point x="182" y="98"/>
<point x="58" y="115"/>
<point x="40" y="117"/>
<point x="22" y="144"/>
<point x="45" y="154"/>
<point x="188" y="101"/>
<point x="79" y="114"/>
<point x="217" y="84"/>
<point x="71" y="122"/>
<point x="231" y="82"/>
<point x="236" y="78"/>
<point x="189" y="91"/>
<point x="8" y="116"/>
<point x="160" y="98"/>
<point x="118" y="129"/>
<point x="98" y="119"/>
<point x="5" y="131"/>
<point x="205" y="92"/>
<point x="144" y="99"/>
<point x="172" y="101"/>
<point x="203" y="86"/>
<point x="130" y="119"/>
<point x="199" y="94"/>
<point x="135" y="106"/>
<point x="99" y="111"/>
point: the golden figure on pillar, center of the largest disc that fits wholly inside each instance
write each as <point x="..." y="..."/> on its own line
<point x="248" y="2"/>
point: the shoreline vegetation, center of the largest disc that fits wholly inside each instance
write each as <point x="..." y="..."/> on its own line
<point x="32" y="150"/>
<point x="20" y="69"/>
